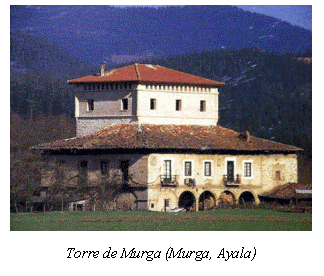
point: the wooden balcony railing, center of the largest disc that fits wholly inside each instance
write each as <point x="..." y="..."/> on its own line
<point x="169" y="180"/>
<point x="232" y="180"/>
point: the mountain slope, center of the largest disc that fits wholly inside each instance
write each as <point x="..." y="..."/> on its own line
<point x="267" y="93"/>
<point x="38" y="73"/>
<point x="113" y="34"/>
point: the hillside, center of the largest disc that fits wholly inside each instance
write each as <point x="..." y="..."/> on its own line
<point x="116" y="35"/>
<point x="39" y="70"/>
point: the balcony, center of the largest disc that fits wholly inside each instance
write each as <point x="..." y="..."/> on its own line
<point x="232" y="180"/>
<point x="169" y="180"/>
<point x="191" y="182"/>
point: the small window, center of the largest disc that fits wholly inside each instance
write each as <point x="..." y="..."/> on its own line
<point x="90" y="105"/>
<point x="152" y="205"/>
<point x="83" y="168"/>
<point x="124" y="167"/>
<point x="166" y="203"/>
<point x="125" y="104"/>
<point x="188" y="168"/>
<point x="104" y="166"/>
<point x="153" y="104"/>
<point x="278" y="177"/>
<point x="247" y="169"/>
<point x="178" y="105"/>
<point x="202" y="106"/>
<point x="207" y="168"/>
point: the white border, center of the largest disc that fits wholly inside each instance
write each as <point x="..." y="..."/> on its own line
<point x="243" y="171"/>
<point x="57" y="242"/>
<point x="211" y="168"/>
<point x="184" y="168"/>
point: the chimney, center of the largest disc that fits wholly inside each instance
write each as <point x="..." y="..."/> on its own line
<point x="102" y="69"/>
<point x="247" y="134"/>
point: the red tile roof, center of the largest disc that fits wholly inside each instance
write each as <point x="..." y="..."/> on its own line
<point x="178" y="137"/>
<point x="147" y="73"/>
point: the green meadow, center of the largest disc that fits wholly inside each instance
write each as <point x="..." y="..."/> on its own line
<point x="213" y="220"/>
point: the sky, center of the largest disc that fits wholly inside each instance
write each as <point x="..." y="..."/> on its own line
<point x="299" y="15"/>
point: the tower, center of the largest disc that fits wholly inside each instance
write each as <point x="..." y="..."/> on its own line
<point x="144" y="94"/>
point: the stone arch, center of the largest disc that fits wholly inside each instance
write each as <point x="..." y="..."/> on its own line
<point x="126" y="201"/>
<point x="246" y="198"/>
<point x="187" y="200"/>
<point x="226" y="199"/>
<point x="207" y="201"/>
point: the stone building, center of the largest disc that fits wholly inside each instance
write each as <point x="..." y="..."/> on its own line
<point x="155" y="131"/>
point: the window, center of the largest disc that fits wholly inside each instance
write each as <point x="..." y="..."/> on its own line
<point x="153" y="104"/>
<point x="83" y="172"/>
<point x="83" y="166"/>
<point x="166" y="203"/>
<point x="124" y="167"/>
<point x="278" y="175"/>
<point x="188" y="168"/>
<point x="90" y="105"/>
<point x="167" y="169"/>
<point x="247" y="169"/>
<point x="125" y="104"/>
<point x="104" y="167"/>
<point x="202" y="106"/>
<point x="178" y="105"/>
<point x="230" y="170"/>
<point x="207" y="168"/>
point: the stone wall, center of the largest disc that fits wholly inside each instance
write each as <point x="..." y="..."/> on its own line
<point x="165" y="105"/>
<point x="86" y="126"/>
<point x="108" y="106"/>
<point x="263" y="176"/>
<point x="70" y="165"/>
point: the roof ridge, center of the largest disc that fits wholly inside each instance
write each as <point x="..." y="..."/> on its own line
<point x="137" y="72"/>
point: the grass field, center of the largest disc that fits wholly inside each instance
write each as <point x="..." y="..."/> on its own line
<point x="221" y="220"/>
